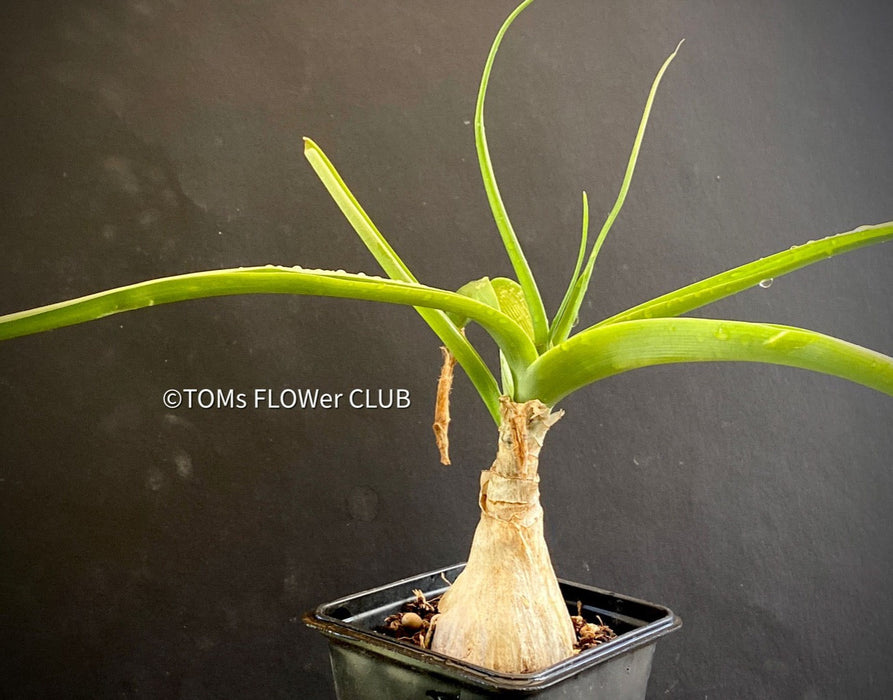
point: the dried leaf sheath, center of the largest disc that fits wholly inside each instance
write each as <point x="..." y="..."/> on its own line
<point x="506" y="611"/>
<point x="442" y="406"/>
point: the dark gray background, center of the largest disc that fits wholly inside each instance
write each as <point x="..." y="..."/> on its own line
<point x="155" y="553"/>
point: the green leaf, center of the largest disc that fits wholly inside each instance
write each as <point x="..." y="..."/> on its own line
<point x="507" y="296"/>
<point x="508" y="378"/>
<point x="500" y="293"/>
<point x="559" y="322"/>
<point x="746" y="276"/>
<point x="597" y="353"/>
<point x="562" y="327"/>
<point x="508" y="335"/>
<point x="480" y="289"/>
<point x="510" y="298"/>
<point x="396" y="269"/>
<point x="355" y="214"/>
<point x="532" y="296"/>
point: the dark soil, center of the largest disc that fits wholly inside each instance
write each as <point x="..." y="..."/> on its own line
<point x="414" y="623"/>
<point x="417" y="619"/>
<point x="590" y="634"/>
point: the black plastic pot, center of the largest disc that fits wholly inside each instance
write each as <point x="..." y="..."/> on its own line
<point x="369" y="665"/>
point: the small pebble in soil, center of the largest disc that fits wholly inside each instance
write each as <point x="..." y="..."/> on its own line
<point x="411" y="621"/>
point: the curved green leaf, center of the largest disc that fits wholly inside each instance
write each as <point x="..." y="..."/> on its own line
<point x="746" y="276"/>
<point x="512" y="246"/>
<point x="397" y="269"/>
<point x="597" y="353"/>
<point x="500" y="293"/>
<point x="507" y="296"/>
<point x="368" y="232"/>
<point x="509" y="336"/>
<point x="562" y="327"/>
<point x="558" y="322"/>
<point x="481" y="290"/>
<point x="510" y="298"/>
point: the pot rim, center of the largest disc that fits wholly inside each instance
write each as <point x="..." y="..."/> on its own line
<point x="342" y="630"/>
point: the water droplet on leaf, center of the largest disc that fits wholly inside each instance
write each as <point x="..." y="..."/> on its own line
<point x="766" y="283"/>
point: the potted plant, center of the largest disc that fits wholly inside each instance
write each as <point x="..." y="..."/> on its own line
<point x="541" y="360"/>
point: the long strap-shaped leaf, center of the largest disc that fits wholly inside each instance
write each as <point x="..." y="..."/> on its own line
<point x="368" y="232"/>
<point x="284" y="280"/>
<point x="567" y="314"/>
<point x="572" y="288"/>
<point x="500" y="215"/>
<point x="395" y="268"/>
<point x="597" y="353"/>
<point x="746" y="276"/>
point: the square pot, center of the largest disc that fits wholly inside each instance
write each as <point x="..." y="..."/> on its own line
<point x="370" y="665"/>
